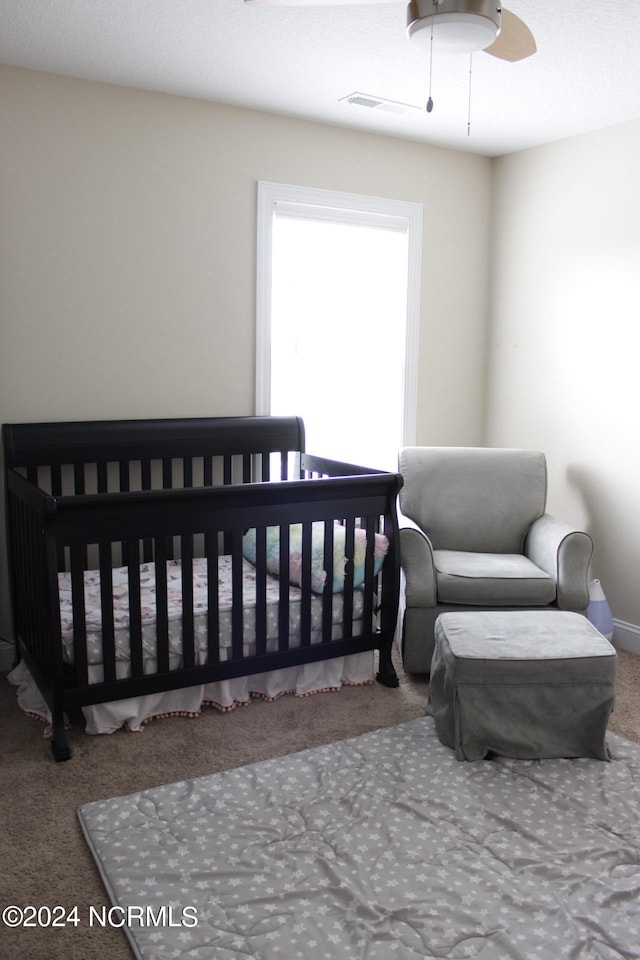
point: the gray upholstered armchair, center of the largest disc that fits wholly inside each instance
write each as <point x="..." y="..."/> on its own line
<point x="474" y="534"/>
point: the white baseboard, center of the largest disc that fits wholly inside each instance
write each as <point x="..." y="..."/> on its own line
<point x="626" y="636"/>
<point x="7" y="654"/>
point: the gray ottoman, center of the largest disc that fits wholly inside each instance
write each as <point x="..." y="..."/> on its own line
<point x="525" y="684"/>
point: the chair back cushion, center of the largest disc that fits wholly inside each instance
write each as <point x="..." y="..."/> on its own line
<point x="477" y="499"/>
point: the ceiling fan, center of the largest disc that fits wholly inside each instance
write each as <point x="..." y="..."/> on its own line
<point x="455" y="26"/>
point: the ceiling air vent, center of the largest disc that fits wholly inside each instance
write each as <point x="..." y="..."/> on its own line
<point x="377" y="103"/>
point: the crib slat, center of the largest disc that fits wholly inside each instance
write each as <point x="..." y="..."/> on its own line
<point x="305" y="599"/>
<point x="188" y="649"/>
<point x="227" y="472"/>
<point x="103" y="483"/>
<point x="145" y="483"/>
<point x="237" y="611"/>
<point x="283" y="585"/>
<point x="162" y="606"/>
<point x="349" y="550"/>
<point x="261" y="591"/>
<point x="327" y="594"/>
<point x="132" y="549"/>
<point x="78" y="478"/>
<point x="124" y="479"/>
<point x="107" y="618"/>
<point x="79" y="487"/>
<point x="227" y="478"/>
<point x="168" y="545"/>
<point x="76" y="566"/>
<point x="145" y="474"/>
<point x="56" y="480"/>
<point x="213" y="615"/>
<point x="246" y="468"/>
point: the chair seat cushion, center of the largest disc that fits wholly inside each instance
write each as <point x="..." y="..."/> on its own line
<point x="500" y="579"/>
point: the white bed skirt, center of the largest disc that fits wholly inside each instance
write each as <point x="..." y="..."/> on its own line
<point x="305" y="680"/>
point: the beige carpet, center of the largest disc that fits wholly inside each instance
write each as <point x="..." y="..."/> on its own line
<point x="44" y="859"/>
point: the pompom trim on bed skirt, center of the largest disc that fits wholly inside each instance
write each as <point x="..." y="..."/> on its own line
<point x="256" y="695"/>
<point x="229" y="708"/>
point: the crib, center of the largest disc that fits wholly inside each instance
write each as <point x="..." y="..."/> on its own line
<point x="148" y="556"/>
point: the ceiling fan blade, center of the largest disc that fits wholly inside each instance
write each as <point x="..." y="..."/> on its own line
<point x="514" y="42"/>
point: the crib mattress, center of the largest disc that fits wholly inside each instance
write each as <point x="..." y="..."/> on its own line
<point x="93" y="614"/>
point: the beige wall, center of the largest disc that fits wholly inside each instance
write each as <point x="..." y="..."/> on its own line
<point x="564" y="316"/>
<point x="127" y="253"/>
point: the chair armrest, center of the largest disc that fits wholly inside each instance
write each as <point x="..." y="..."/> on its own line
<point x="416" y="559"/>
<point x="563" y="552"/>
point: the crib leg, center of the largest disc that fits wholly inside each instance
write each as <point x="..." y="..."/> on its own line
<point x="386" y="674"/>
<point x="59" y="744"/>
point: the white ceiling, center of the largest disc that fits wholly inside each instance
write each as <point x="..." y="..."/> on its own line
<point x="301" y="61"/>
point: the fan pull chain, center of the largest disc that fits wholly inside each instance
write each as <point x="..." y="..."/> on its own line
<point x="430" y="101"/>
<point x="469" y="104"/>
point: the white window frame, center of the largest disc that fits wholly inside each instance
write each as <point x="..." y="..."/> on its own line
<point x="350" y="208"/>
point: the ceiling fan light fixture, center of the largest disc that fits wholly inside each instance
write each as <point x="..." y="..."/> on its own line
<point x="459" y="26"/>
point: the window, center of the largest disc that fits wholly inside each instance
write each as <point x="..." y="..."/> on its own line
<point x="337" y="313"/>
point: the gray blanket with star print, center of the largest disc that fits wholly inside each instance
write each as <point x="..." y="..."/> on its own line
<point x="380" y="847"/>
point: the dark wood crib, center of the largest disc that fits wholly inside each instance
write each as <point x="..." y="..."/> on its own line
<point x="109" y="499"/>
